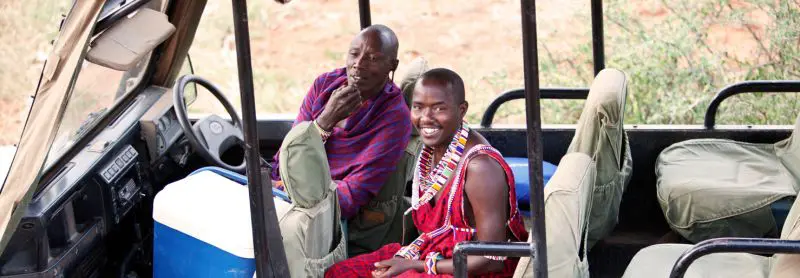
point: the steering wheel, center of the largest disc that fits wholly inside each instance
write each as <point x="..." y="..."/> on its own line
<point x="212" y="135"/>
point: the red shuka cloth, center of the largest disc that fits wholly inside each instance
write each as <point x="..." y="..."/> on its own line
<point x="429" y="218"/>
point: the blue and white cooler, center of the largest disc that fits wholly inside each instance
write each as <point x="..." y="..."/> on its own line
<point x="202" y="226"/>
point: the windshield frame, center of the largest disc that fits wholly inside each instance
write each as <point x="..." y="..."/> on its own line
<point x="100" y="122"/>
<point x="74" y="134"/>
<point x="115" y="110"/>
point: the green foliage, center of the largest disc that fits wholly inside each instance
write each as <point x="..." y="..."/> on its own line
<point x="677" y="63"/>
<point x="678" y="54"/>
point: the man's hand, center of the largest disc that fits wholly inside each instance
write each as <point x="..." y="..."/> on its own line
<point x="395" y="266"/>
<point x="277" y="185"/>
<point x="343" y="102"/>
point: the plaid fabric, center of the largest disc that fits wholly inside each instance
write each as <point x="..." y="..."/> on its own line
<point x="366" y="151"/>
<point x="362" y="265"/>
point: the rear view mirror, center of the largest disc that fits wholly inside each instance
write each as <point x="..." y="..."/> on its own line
<point x="128" y="41"/>
<point x="190" y="92"/>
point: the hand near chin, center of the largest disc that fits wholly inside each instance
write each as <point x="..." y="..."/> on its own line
<point x="343" y="102"/>
<point x="278" y="185"/>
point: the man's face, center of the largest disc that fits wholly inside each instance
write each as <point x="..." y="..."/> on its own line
<point x="367" y="66"/>
<point x="435" y="113"/>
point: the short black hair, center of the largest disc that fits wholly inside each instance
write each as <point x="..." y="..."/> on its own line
<point x="449" y="77"/>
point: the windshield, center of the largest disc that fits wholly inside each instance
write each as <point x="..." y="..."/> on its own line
<point x="96" y="90"/>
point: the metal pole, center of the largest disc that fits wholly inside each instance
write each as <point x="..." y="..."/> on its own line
<point x="364" y="13"/>
<point x="267" y="241"/>
<point x="598" y="49"/>
<point x="530" y="60"/>
<point x="459" y="263"/>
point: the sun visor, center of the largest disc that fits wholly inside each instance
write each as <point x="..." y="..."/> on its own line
<point x="128" y="41"/>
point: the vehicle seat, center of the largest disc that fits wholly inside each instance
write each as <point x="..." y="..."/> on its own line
<point x="711" y="188"/>
<point x="203" y="228"/>
<point x="582" y="199"/>
<point x="657" y="260"/>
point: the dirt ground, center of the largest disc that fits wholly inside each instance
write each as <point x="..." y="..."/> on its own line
<point x="294" y="43"/>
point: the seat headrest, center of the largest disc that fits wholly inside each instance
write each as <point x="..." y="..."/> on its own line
<point x="608" y="90"/>
<point x="604" y="109"/>
<point x="788" y="150"/>
<point x="301" y="149"/>
<point x="415" y="69"/>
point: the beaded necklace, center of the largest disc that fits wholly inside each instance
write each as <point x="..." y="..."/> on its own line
<point x="433" y="181"/>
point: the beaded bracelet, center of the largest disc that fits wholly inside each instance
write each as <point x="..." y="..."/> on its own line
<point x="430" y="262"/>
<point x="325" y="134"/>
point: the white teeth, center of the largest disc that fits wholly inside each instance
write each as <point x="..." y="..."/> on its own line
<point x="429" y="131"/>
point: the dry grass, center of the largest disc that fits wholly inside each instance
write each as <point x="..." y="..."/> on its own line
<point x="678" y="53"/>
<point x="26" y="28"/>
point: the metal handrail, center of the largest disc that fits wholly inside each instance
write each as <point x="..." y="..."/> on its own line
<point x="546" y="93"/>
<point x="598" y="50"/>
<point x="733" y="245"/>
<point x="478" y="248"/>
<point x="268" y="248"/>
<point x="533" y="132"/>
<point x="756" y="86"/>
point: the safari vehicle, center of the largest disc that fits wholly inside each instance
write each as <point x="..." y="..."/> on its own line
<point x="86" y="210"/>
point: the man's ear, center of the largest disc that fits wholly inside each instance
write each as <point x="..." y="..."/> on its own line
<point x="394" y="64"/>
<point x="462" y="109"/>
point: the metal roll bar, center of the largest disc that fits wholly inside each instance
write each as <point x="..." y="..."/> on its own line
<point x="109" y="15"/>
<point x="733" y="245"/>
<point x="464" y="249"/>
<point x="537" y="248"/>
<point x="757" y="86"/>
<point x="364" y="15"/>
<point x="546" y="93"/>
<point x="267" y="240"/>
<point x="530" y="61"/>
<point x="598" y="51"/>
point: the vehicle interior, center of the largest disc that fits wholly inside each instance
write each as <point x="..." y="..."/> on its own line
<point x="90" y="213"/>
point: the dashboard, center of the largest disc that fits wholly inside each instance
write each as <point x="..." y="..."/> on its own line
<point x="77" y="216"/>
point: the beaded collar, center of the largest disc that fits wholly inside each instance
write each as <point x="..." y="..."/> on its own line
<point x="431" y="181"/>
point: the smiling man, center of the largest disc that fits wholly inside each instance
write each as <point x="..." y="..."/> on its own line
<point x="363" y="123"/>
<point x="462" y="190"/>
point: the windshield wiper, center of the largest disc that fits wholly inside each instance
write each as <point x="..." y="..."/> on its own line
<point x="87" y="123"/>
